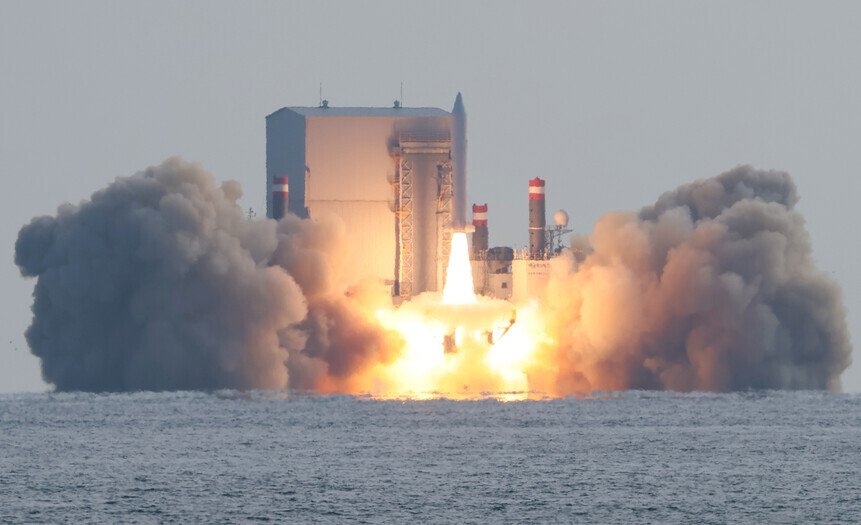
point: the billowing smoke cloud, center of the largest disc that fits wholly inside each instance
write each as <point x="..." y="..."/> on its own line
<point x="711" y="288"/>
<point x="160" y="282"/>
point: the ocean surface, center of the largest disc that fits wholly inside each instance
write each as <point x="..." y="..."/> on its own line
<point x="632" y="457"/>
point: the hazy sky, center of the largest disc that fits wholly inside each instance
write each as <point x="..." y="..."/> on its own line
<point x="611" y="102"/>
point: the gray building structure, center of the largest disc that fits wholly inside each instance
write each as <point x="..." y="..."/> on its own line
<point x="386" y="172"/>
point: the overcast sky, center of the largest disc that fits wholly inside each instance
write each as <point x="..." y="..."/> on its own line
<point x="611" y="102"/>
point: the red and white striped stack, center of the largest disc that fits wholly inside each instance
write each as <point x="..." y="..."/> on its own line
<point x="537" y="219"/>
<point x="280" y="195"/>
<point x="536" y="189"/>
<point x="479" y="215"/>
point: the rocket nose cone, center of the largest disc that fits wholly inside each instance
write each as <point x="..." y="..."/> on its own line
<point x="458" y="105"/>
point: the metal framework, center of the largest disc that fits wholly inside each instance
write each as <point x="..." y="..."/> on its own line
<point x="445" y="189"/>
<point x="408" y="145"/>
<point x="404" y="227"/>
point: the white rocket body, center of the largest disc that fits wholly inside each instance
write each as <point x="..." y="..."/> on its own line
<point x="458" y="162"/>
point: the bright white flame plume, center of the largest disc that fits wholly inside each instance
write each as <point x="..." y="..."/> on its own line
<point x="459" y="345"/>
<point x="458" y="279"/>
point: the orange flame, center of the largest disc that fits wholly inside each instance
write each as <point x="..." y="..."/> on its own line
<point x="459" y="345"/>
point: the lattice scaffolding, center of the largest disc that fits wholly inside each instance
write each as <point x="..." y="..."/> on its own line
<point x="414" y="153"/>
<point x="404" y="211"/>
<point x="445" y="189"/>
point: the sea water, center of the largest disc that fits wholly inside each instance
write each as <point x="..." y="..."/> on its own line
<point x="632" y="457"/>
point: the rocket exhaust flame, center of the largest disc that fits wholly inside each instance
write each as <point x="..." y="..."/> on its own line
<point x="159" y="282"/>
<point x="459" y="287"/>
<point x="449" y="342"/>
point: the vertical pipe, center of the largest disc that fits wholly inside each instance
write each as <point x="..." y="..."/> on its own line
<point x="537" y="220"/>
<point x="458" y="161"/>
<point x="280" y="194"/>
<point x="479" y="236"/>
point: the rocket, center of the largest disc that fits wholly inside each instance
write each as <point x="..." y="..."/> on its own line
<point x="458" y="161"/>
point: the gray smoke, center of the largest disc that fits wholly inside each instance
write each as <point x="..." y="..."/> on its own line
<point x="160" y="282"/>
<point x="711" y="288"/>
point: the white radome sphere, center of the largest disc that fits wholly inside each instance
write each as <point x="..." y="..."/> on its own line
<point x="560" y="218"/>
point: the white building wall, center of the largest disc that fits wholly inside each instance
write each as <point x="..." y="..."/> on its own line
<point x="529" y="278"/>
<point x="348" y="159"/>
<point x="349" y="169"/>
<point x="499" y="285"/>
<point x="346" y="170"/>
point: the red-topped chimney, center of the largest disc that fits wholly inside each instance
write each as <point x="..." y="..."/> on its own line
<point x="280" y="194"/>
<point x="479" y="236"/>
<point x="537" y="219"/>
